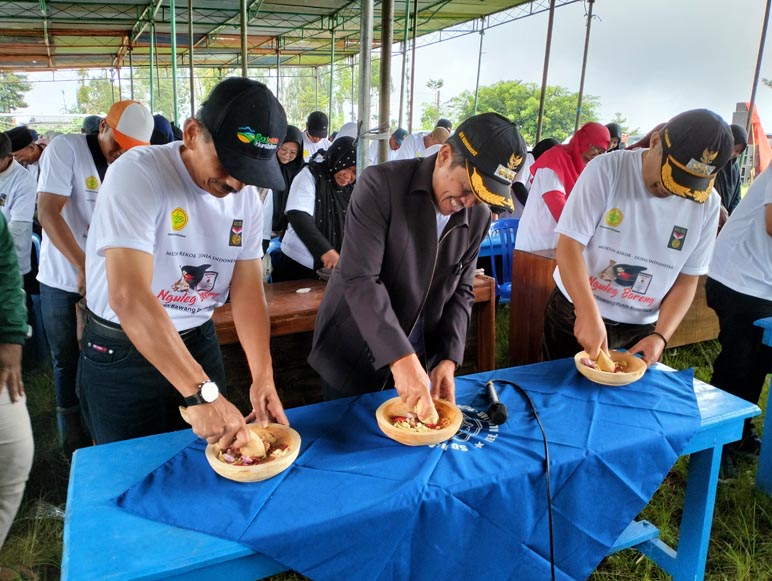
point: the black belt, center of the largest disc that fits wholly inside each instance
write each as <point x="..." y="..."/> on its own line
<point x="115" y="331"/>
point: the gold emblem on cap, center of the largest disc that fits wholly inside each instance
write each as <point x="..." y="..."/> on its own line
<point x="515" y="161"/>
<point x="483" y="193"/>
<point x="466" y="143"/>
<point x="708" y="156"/>
<point x="670" y="184"/>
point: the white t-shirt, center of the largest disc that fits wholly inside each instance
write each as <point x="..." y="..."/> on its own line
<point x="636" y="244"/>
<point x="372" y="153"/>
<point x="742" y="259"/>
<point x="18" y="193"/>
<point x="536" y="230"/>
<point x="302" y="196"/>
<point x="412" y="146"/>
<point x="267" y="212"/>
<point x="310" y="148"/>
<point x="150" y="203"/>
<point x="67" y="169"/>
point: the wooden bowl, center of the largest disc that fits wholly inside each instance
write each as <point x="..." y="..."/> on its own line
<point x="636" y="367"/>
<point x="262" y="471"/>
<point x="396" y="407"/>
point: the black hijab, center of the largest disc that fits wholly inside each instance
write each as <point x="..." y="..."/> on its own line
<point x="331" y="199"/>
<point x="288" y="171"/>
<point x="615" y="130"/>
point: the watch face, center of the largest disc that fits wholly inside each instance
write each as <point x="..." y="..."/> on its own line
<point x="209" y="391"/>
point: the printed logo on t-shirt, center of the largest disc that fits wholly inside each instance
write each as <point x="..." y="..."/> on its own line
<point x="3" y="198"/>
<point x="631" y="277"/>
<point x="236" y="230"/>
<point x="188" y="293"/>
<point x="614" y="217"/>
<point x="677" y="238"/>
<point x="92" y="183"/>
<point x="179" y="219"/>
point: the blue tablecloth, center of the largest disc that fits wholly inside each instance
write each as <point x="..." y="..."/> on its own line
<point x="356" y="505"/>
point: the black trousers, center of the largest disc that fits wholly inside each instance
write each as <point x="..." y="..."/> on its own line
<point x="743" y="364"/>
<point x="559" y="341"/>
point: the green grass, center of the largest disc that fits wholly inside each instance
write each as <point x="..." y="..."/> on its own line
<point x="741" y="540"/>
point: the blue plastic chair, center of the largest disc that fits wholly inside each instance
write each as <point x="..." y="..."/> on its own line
<point x="502" y="237"/>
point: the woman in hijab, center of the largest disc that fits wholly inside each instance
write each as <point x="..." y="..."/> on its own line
<point x="290" y="162"/>
<point x="554" y="175"/>
<point x="615" y="130"/>
<point x="316" y="210"/>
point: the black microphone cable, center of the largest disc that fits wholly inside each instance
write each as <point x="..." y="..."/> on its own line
<point x="521" y="391"/>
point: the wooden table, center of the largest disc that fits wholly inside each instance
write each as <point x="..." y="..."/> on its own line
<point x="532" y="284"/>
<point x="293" y="312"/>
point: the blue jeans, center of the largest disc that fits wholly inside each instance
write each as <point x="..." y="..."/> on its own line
<point x="59" y="323"/>
<point x="123" y="396"/>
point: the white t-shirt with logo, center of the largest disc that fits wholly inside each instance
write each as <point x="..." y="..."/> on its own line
<point x="302" y="197"/>
<point x="742" y="259"/>
<point x="310" y="148"/>
<point x="412" y="146"/>
<point x="67" y="169"/>
<point x="536" y="230"/>
<point x="636" y="244"/>
<point x="18" y="194"/>
<point x="150" y="203"/>
<point x="372" y="152"/>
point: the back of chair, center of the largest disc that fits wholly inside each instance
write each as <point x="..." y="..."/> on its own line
<point x="505" y="231"/>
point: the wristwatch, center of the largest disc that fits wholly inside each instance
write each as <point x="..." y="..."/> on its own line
<point x="207" y="393"/>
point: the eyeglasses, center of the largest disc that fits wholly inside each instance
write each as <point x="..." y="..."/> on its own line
<point x="595" y="150"/>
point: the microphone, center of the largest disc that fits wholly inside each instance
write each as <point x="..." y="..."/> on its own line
<point x="497" y="412"/>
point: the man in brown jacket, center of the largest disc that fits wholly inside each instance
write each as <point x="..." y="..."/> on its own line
<point x="398" y="304"/>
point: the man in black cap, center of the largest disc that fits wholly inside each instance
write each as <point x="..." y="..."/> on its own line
<point x="398" y="304"/>
<point x="25" y="148"/>
<point x="315" y="135"/>
<point x="636" y="233"/>
<point x="171" y="238"/>
<point x="445" y="123"/>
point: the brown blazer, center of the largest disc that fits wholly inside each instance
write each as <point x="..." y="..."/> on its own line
<point x="391" y="270"/>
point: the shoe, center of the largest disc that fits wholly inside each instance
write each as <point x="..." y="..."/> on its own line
<point x="72" y="434"/>
<point x="727" y="471"/>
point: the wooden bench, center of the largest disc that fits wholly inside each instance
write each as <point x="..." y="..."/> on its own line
<point x="532" y="284"/>
<point x="292" y="312"/>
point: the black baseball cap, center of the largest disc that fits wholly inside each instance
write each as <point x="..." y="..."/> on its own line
<point x="21" y="137"/>
<point x="316" y="124"/>
<point x="247" y="124"/>
<point x="695" y="145"/>
<point x="494" y="151"/>
<point x="444" y="123"/>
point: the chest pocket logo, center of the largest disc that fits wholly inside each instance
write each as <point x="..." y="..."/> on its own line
<point x="179" y="219"/>
<point x="92" y="183"/>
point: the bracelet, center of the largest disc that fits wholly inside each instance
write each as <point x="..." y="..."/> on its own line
<point x="661" y="336"/>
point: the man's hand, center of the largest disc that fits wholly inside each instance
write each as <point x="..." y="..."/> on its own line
<point x="590" y="332"/>
<point x="266" y="405"/>
<point x="412" y="384"/>
<point x="651" y="346"/>
<point x="81" y="281"/>
<point x="330" y="258"/>
<point x="219" y="422"/>
<point x="443" y="381"/>
<point x="10" y="370"/>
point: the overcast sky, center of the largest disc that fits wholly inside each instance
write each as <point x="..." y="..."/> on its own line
<point x="648" y="59"/>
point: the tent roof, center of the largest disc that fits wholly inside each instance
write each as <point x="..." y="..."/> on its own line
<point x="61" y="34"/>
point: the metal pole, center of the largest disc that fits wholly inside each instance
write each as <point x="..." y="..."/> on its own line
<point x="112" y="84"/>
<point x="365" y="47"/>
<point x="278" y="65"/>
<point x="353" y="86"/>
<point x="749" y="123"/>
<point x="151" y="67"/>
<point x="131" y="72"/>
<point x="173" y="31"/>
<point x="316" y="86"/>
<point x="545" y="71"/>
<point x="412" y="67"/>
<point x="332" y="71"/>
<point x="479" y="64"/>
<point x="384" y="96"/>
<point x="584" y="66"/>
<point x="192" y="74"/>
<point x="244" y="25"/>
<point x="120" y="88"/>
<point x="404" y="62"/>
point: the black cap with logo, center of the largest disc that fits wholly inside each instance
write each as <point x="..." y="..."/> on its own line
<point x="21" y="137"/>
<point x="316" y="124"/>
<point x="494" y="151"/>
<point x="248" y="125"/>
<point x="695" y="145"/>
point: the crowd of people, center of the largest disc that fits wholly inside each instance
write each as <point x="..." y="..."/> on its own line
<point x="147" y="228"/>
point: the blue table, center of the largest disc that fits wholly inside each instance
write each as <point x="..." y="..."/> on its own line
<point x="102" y="541"/>
<point x="764" y="473"/>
